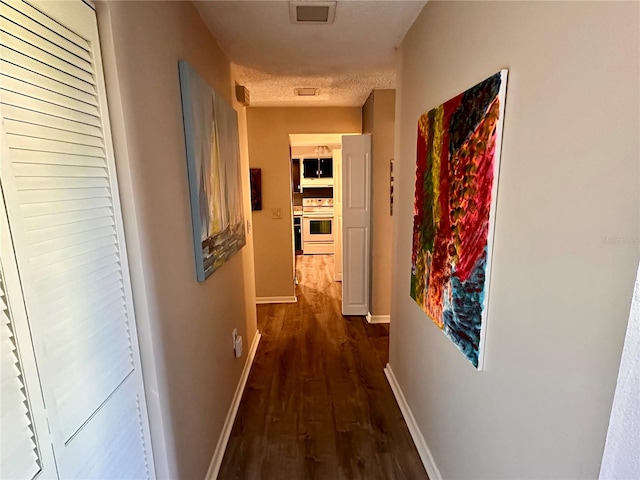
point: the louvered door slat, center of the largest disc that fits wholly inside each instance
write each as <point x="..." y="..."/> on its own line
<point x="21" y="60"/>
<point x="51" y="132"/>
<point x="95" y="291"/>
<point x="56" y="271"/>
<point x="42" y="210"/>
<point x="19" y="456"/>
<point x="25" y="75"/>
<point x="63" y="218"/>
<point x="13" y="397"/>
<point x="59" y="231"/>
<point x="54" y="183"/>
<point x="61" y="194"/>
<point x="84" y="267"/>
<point x="11" y="98"/>
<point x="113" y="310"/>
<point x="42" y="41"/>
<point x="35" y="171"/>
<point x="47" y="27"/>
<point x="70" y="241"/>
<point x="99" y="277"/>
<point x="63" y="207"/>
<point x="44" y="145"/>
<point x="70" y="254"/>
<point x="22" y="114"/>
<point x="45" y="58"/>
<point x="25" y="464"/>
<point x="28" y="92"/>
<point x="75" y="348"/>
<point x="72" y="316"/>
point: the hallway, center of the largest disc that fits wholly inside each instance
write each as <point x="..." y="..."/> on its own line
<point x="317" y="404"/>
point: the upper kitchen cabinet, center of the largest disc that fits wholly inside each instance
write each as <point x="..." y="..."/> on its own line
<point x="295" y="175"/>
<point x="326" y="167"/>
<point x="317" y="172"/>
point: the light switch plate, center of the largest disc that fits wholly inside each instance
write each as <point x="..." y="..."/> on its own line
<point x="276" y="213"/>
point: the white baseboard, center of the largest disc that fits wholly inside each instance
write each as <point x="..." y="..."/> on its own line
<point x="264" y="300"/>
<point x="378" y="318"/>
<point x="421" y="445"/>
<point x="218" y="453"/>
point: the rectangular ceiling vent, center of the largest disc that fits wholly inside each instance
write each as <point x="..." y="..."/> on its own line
<point x="306" y="92"/>
<point x="312" y="12"/>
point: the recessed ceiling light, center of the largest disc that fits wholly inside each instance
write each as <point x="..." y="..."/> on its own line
<point x="306" y="92"/>
<point x="312" y="12"/>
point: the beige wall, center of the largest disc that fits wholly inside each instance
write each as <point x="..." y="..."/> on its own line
<point x="378" y="119"/>
<point x="268" y="130"/>
<point x="185" y="326"/>
<point x="367" y="114"/>
<point x="560" y="288"/>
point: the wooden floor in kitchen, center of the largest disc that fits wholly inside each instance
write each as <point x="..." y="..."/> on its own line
<point x="317" y="404"/>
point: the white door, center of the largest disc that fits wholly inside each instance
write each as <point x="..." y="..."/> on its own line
<point x="356" y="223"/>
<point x="59" y="184"/>
<point x="337" y="213"/>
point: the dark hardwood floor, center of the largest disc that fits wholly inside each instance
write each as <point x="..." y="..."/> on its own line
<point x="317" y="404"/>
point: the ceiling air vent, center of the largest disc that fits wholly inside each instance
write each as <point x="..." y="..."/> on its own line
<point x="312" y="12"/>
<point x="306" y="92"/>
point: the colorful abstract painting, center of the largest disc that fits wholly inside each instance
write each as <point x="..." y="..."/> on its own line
<point x="458" y="156"/>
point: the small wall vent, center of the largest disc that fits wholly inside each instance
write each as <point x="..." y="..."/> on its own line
<point x="242" y="95"/>
<point x="306" y="92"/>
<point x="312" y="12"/>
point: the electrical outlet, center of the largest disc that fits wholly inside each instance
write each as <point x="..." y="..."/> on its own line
<point x="237" y="343"/>
<point x="276" y="213"/>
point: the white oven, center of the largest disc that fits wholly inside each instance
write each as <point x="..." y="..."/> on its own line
<point x="317" y="226"/>
<point x="318" y="229"/>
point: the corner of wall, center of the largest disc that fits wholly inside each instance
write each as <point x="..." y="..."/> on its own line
<point x="248" y="260"/>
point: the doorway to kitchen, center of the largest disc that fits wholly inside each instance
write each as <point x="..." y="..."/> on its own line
<point x="315" y="165"/>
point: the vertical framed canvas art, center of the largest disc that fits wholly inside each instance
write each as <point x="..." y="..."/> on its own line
<point x="391" y="187"/>
<point x="458" y="160"/>
<point x="213" y="161"/>
<point x="255" y="179"/>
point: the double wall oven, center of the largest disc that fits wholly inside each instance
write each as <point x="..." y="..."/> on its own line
<point x="317" y="225"/>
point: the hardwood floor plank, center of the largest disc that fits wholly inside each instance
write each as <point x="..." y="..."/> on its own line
<point x="317" y="404"/>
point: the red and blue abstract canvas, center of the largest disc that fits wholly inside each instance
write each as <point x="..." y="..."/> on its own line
<point x="458" y="156"/>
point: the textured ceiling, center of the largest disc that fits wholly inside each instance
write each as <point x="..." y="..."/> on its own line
<point x="346" y="60"/>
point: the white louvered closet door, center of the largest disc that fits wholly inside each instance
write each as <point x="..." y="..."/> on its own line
<point x="59" y="185"/>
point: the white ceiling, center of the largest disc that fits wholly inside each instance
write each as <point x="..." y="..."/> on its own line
<point x="346" y="60"/>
